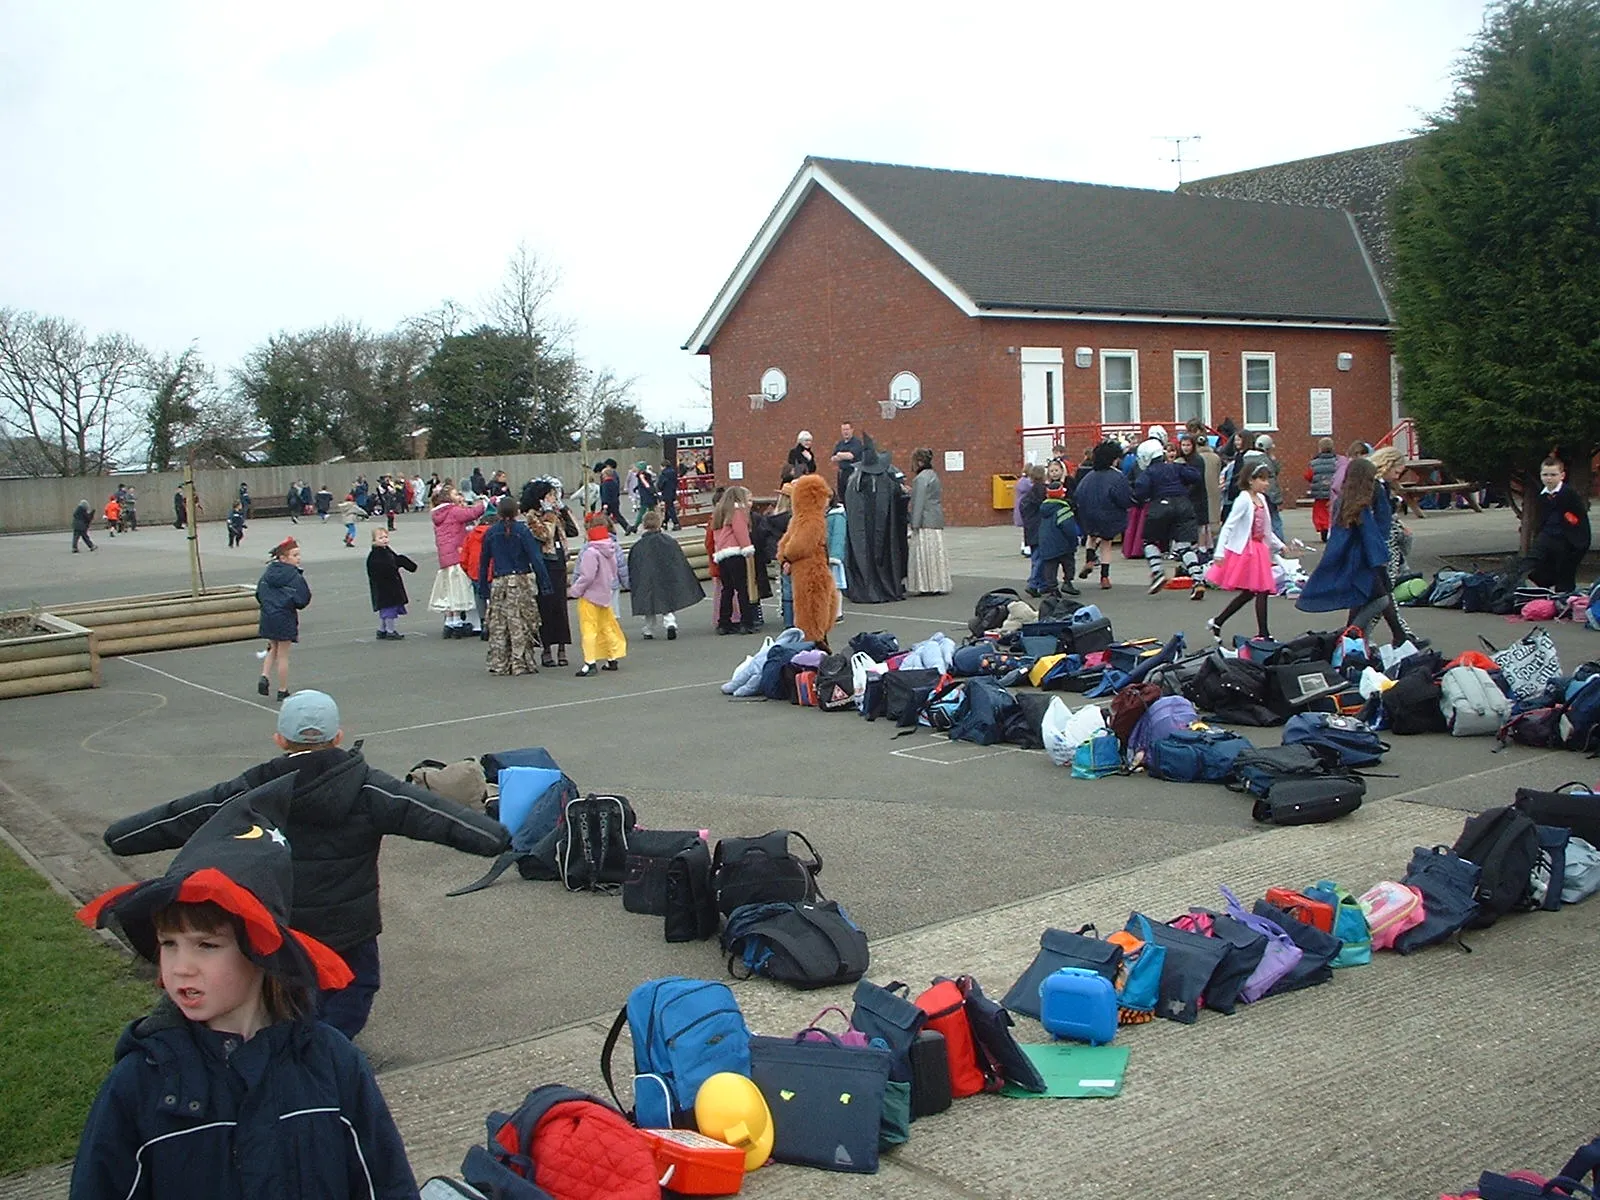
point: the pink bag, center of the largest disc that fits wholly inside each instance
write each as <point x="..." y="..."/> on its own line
<point x="814" y="1032"/>
<point x="1539" y="610"/>
<point x="1133" y="535"/>
<point x="1391" y="909"/>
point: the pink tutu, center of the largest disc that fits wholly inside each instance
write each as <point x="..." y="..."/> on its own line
<point x="1248" y="571"/>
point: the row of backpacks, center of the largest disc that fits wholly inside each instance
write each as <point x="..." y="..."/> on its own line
<point x="760" y="894"/>
<point x="712" y="1101"/>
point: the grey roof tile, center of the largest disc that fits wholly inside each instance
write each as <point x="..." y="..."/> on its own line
<point x="1016" y="243"/>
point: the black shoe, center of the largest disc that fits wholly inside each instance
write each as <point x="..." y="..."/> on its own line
<point x="264" y="686"/>
<point x="282" y="696"/>
<point x="609" y="665"/>
<point x="747" y="628"/>
<point x="397" y="636"/>
<point x="547" y="660"/>
<point x="1070" y="589"/>
<point x="672" y="634"/>
<point x="383" y="635"/>
<point x="586" y="670"/>
<point x="483" y="635"/>
<point x="724" y="630"/>
<point x="1034" y="592"/>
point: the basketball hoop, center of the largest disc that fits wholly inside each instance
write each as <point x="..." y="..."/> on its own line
<point x="758" y="401"/>
<point x="887" y="409"/>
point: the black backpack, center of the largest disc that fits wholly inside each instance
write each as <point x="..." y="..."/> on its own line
<point x="591" y="846"/>
<point x="991" y="610"/>
<point x="806" y="945"/>
<point x="1490" y="593"/>
<point x="1231" y="689"/>
<point x="1257" y="769"/>
<point x="761" y="870"/>
<point x="836" y="684"/>
<point x="1504" y="843"/>
<point x="905" y="693"/>
<point x="987" y="713"/>
<point x="1412" y="704"/>
<point x="690" y="908"/>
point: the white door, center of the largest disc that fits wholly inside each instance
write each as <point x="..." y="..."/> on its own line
<point x="1044" y="408"/>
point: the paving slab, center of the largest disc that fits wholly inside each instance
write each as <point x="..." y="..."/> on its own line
<point x="937" y="848"/>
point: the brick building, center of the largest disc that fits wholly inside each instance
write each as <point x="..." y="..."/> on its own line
<point x="1000" y="314"/>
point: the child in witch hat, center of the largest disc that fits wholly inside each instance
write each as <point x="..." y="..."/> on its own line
<point x="230" y="1087"/>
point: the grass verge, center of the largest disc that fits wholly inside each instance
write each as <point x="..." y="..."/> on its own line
<point x="64" y="996"/>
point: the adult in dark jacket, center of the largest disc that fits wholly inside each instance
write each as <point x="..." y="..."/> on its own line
<point x="282" y="591"/>
<point x="479" y="486"/>
<point x="848" y="453"/>
<point x="387" y="589"/>
<point x="1170" y="523"/>
<point x="1562" y="537"/>
<point x="801" y="456"/>
<point x="1102" y="500"/>
<point x="551" y="523"/>
<point x="291" y="501"/>
<point x="82" y="520"/>
<point x="180" y="510"/>
<point x="336" y="820"/>
<point x="324" y="501"/>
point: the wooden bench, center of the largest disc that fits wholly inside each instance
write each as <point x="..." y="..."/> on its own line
<point x="1469" y="490"/>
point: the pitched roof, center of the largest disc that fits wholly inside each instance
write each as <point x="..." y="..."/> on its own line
<point x="1001" y="245"/>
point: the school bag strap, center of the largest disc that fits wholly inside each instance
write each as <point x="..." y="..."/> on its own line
<point x="613" y="1036"/>
<point x="499" y="868"/>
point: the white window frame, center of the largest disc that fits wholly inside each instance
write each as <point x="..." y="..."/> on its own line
<point x="1204" y="356"/>
<point x="1133" y="402"/>
<point x="1271" y="359"/>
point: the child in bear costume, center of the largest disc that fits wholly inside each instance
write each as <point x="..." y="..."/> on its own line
<point x="803" y="551"/>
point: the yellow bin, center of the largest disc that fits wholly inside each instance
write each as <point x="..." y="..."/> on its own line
<point x="1004" y="489"/>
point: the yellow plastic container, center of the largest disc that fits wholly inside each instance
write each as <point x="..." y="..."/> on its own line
<point x="1004" y="490"/>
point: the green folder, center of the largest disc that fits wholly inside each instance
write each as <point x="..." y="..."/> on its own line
<point x="1073" y="1070"/>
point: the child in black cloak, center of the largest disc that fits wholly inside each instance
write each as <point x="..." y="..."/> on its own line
<point x="388" y="590"/>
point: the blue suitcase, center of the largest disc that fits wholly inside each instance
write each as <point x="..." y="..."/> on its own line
<point x="1078" y="1004"/>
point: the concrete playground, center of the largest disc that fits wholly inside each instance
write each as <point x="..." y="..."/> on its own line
<point x="1402" y="1079"/>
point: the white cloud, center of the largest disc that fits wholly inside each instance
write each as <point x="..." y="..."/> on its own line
<point x="189" y="170"/>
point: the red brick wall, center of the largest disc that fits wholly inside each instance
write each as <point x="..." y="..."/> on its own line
<point x="840" y="313"/>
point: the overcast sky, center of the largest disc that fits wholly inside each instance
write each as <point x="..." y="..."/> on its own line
<point x="218" y="172"/>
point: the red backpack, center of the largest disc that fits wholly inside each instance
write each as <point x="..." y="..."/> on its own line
<point x="946" y="1007"/>
<point x="1128" y="705"/>
<point x="562" y="1144"/>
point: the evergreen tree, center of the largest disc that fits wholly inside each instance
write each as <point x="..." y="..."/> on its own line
<point x="1497" y="240"/>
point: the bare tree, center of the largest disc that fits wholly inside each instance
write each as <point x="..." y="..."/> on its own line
<point x="521" y="304"/>
<point x="68" y="405"/>
<point x="440" y="323"/>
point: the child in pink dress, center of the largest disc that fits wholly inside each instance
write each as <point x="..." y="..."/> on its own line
<point x="1245" y="548"/>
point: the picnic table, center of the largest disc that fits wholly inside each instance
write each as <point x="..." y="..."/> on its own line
<point x="1415" y="483"/>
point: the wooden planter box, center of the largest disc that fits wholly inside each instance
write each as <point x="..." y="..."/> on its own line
<point x="169" y="620"/>
<point x="58" y="656"/>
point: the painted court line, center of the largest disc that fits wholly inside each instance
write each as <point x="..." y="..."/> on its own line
<point x="517" y="712"/>
<point x="198" y="686"/>
<point x="855" y="612"/>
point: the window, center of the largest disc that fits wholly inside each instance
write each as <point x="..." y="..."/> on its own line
<point x="1260" y="391"/>
<point x="1119" y="387"/>
<point x="1191" y="381"/>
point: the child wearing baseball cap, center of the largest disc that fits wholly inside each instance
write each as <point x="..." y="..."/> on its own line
<point x="230" y="1086"/>
<point x="339" y="810"/>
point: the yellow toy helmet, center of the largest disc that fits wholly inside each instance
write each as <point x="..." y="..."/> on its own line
<point x="731" y="1109"/>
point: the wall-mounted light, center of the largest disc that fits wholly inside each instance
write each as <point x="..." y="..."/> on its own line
<point x="1083" y="356"/>
<point x="1011" y="349"/>
<point x="1345" y="360"/>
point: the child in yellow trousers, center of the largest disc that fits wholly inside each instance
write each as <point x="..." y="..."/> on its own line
<point x="591" y="586"/>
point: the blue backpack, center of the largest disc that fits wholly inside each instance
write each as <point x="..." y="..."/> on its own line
<point x="534" y="792"/>
<point x="1343" y="743"/>
<point x="1098" y="757"/>
<point x="1195" y="755"/>
<point x="987" y="713"/>
<point x="1580" y="715"/>
<point x="684" y="1031"/>
<point x="1448" y="885"/>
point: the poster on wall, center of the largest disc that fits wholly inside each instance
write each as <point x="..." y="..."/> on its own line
<point x="955" y="460"/>
<point x="736" y="470"/>
<point x="1321" y="412"/>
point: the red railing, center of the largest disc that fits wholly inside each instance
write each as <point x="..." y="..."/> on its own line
<point x="1403" y="437"/>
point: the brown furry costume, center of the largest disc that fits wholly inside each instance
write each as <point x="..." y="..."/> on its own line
<point x="804" y="548"/>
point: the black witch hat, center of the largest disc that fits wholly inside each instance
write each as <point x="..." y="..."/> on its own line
<point x="240" y="861"/>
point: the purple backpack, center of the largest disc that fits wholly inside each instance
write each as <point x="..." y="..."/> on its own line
<point x="1282" y="954"/>
<point x="1167" y="715"/>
